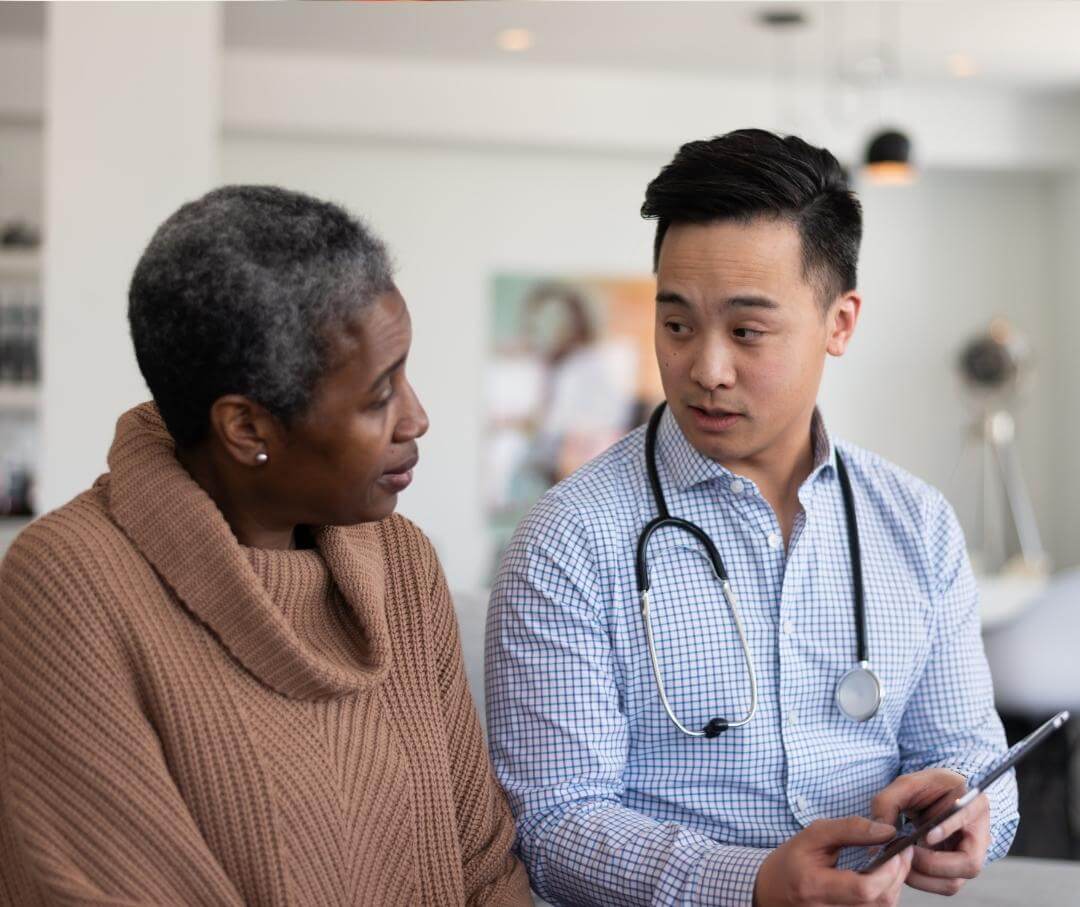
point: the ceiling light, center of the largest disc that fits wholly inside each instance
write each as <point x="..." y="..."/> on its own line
<point x="514" y="39"/>
<point x="888" y="159"/>
<point x="962" y="66"/>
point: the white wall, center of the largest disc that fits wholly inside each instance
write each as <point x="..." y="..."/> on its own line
<point x="577" y="107"/>
<point x="130" y="131"/>
<point x="940" y="259"/>
<point x="1063" y="392"/>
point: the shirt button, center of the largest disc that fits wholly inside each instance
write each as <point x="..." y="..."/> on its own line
<point x="792" y="717"/>
<point x="800" y="802"/>
<point x="773" y="540"/>
<point x="736" y="487"/>
<point x="788" y="627"/>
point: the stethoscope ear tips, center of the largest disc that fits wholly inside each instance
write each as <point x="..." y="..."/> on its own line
<point x="715" y="728"/>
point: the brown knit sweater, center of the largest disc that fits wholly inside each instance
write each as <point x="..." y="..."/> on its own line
<point x="187" y="721"/>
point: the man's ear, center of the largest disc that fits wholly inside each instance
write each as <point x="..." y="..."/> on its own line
<point x="840" y="322"/>
<point x="244" y="428"/>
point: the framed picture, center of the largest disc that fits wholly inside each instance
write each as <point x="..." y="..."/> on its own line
<point x="572" y="370"/>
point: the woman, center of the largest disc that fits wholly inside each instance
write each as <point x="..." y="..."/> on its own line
<point x="228" y="673"/>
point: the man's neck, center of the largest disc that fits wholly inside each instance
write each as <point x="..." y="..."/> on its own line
<point x="780" y="471"/>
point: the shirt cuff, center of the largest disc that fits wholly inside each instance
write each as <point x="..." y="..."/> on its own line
<point x="728" y="875"/>
<point x="1004" y="816"/>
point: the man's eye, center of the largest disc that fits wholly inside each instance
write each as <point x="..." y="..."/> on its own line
<point x="676" y="328"/>
<point x="748" y="333"/>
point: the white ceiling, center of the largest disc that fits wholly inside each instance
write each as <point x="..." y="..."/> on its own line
<point x="1031" y="43"/>
<point x="1013" y="41"/>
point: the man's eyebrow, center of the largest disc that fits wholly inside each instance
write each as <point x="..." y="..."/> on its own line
<point x="762" y="302"/>
<point x="667" y="296"/>
<point x="386" y="372"/>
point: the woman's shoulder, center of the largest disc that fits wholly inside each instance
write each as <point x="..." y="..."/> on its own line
<point x="78" y="539"/>
<point x="59" y="573"/>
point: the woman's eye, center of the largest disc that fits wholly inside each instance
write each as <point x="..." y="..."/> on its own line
<point x="383" y="400"/>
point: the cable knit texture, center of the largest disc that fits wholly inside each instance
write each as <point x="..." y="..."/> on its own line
<point x="184" y="720"/>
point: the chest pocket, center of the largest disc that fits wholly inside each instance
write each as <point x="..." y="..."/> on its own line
<point x="697" y="644"/>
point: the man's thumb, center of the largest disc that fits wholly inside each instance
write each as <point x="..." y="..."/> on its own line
<point x="886" y="806"/>
<point x="851" y="832"/>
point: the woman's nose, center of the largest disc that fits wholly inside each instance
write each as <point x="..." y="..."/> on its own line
<point x="414" y="422"/>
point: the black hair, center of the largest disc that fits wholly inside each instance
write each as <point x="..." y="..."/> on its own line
<point x="752" y="173"/>
<point x="239" y="293"/>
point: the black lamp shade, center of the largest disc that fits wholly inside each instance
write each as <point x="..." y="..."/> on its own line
<point x="889" y="147"/>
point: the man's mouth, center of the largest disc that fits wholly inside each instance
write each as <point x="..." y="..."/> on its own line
<point x="714" y="419"/>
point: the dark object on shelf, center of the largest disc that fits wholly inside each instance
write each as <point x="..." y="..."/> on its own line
<point x="17" y="498"/>
<point x="1049" y="784"/>
<point x="19" y="327"/>
<point x="18" y="234"/>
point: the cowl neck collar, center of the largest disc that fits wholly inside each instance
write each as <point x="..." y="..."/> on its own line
<point x="179" y="529"/>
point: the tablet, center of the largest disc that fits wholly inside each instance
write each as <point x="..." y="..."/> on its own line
<point x="949" y="805"/>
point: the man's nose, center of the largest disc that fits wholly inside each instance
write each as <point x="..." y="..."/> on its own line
<point x="714" y="366"/>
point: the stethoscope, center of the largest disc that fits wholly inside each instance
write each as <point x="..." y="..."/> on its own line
<point x="858" y="694"/>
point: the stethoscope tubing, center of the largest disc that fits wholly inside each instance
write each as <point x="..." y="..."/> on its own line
<point x="641" y="567"/>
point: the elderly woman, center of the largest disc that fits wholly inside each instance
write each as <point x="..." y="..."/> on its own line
<point x="228" y="673"/>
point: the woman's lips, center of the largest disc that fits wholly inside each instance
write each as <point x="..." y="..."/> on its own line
<point x="714" y="420"/>
<point x="399" y="478"/>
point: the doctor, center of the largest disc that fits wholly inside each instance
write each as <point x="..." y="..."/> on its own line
<point x="715" y="647"/>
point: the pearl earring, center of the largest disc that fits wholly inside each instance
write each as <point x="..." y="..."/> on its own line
<point x="262" y="458"/>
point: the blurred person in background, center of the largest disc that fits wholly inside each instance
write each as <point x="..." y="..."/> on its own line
<point x="658" y="751"/>
<point x="230" y="674"/>
<point x="588" y="400"/>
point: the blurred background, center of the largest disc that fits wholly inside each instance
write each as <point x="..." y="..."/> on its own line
<point x="502" y="149"/>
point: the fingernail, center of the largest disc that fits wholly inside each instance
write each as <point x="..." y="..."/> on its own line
<point x="934" y="836"/>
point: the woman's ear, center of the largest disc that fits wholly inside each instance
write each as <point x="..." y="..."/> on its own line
<point x="244" y="428"/>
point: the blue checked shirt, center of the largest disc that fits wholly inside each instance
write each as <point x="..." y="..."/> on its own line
<point x="613" y="804"/>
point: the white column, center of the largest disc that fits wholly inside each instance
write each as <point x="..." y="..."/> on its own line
<point x="131" y="132"/>
<point x="1062" y="531"/>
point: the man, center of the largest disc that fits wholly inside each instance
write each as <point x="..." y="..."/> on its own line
<point x="756" y="248"/>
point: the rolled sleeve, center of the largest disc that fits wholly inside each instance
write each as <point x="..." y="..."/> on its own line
<point x="950" y="721"/>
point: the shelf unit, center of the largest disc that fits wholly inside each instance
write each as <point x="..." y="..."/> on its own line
<point x="22" y="398"/>
<point x="19" y="403"/>
<point x="16" y="263"/>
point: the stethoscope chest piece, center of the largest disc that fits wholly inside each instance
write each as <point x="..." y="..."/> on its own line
<point x="859" y="693"/>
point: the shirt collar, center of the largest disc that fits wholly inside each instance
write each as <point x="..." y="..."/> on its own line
<point x="688" y="467"/>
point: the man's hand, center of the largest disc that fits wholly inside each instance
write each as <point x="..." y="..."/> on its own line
<point x="802" y="871"/>
<point x="954" y="851"/>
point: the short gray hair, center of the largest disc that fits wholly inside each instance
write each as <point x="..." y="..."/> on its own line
<point x="240" y="292"/>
